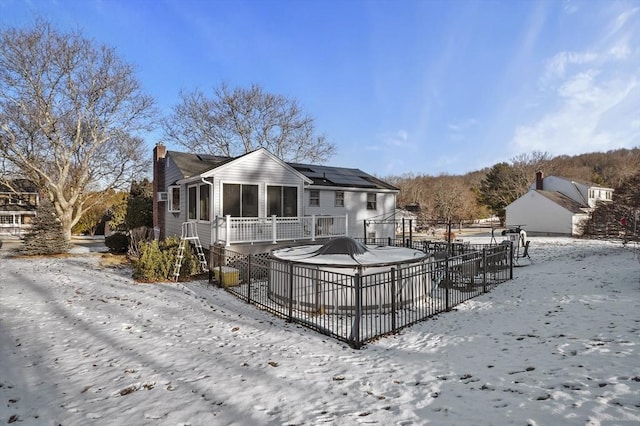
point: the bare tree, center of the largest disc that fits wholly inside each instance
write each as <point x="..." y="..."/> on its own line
<point x="70" y="115"/>
<point x="527" y="164"/>
<point x="234" y="122"/>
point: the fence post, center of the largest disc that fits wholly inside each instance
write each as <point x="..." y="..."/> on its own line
<point x="447" y="283"/>
<point x="212" y="254"/>
<point x="313" y="227"/>
<point x="365" y="231"/>
<point x="511" y="260"/>
<point x="403" y="239"/>
<point x="290" y="314"/>
<point x="228" y="230"/>
<point x="393" y="300"/>
<point x="274" y="229"/>
<point x="410" y="232"/>
<point x="220" y="253"/>
<point x="346" y="225"/>
<point x="354" y="338"/>
<point x="484" y="270"/>
<point x="249" y="279"/>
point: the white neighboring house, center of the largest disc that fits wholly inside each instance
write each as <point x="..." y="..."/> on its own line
<point x="18" y="203"/>
<point x="257" y="198"/>
<point x="556" y="205"/>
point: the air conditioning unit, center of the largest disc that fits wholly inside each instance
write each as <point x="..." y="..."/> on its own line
<point x="163" y="196"/>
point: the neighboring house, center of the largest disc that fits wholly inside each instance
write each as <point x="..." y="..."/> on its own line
<point x="18" y="202"/>
<point x="406" y="220"/>
<point x="556" y="205"/>
<point x="258" y="198"/>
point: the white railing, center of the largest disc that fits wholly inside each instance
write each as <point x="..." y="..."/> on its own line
<point x="233" y="230"/>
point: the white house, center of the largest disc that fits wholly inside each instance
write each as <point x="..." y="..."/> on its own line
<point x="556" y="205"/>
<point x="257" y="198"/>
<point x="18" y="202"/>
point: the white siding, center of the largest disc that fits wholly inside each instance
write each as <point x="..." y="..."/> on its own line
<point x="539" y="214"/>
<point x="355" y="205"/>
<point x="256" y="169"/>
<point x="173" y="221"/>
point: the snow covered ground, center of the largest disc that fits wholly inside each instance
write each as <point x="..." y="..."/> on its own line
<point x="82" y="343"/>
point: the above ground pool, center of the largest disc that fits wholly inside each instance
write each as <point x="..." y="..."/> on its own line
<point x="321" y="278"/>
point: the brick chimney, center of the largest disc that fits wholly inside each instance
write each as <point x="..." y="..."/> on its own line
<point x="539" y="179"/>
<point x="159" y="184"/>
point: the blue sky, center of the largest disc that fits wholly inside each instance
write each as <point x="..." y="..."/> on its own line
<point x="424" y="87"/>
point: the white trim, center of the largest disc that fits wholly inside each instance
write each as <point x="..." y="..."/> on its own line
<point x="352" y="189"/>
<point x="170" y="199"/>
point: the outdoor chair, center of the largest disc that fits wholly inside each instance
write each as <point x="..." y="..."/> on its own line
<point x="525" y="254"/>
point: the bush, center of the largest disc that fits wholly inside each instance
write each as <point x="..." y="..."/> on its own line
<point x="117" y="242"/>
<point x="46" y="236"/>
<point x="157" y="261"/>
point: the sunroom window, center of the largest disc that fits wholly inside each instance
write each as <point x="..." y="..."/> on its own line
<point x="282" y="201"/>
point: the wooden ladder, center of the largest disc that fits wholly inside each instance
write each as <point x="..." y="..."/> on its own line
<point x="189" y="234"/>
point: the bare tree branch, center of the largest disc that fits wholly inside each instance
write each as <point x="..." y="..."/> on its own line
<point x="70" y="115"/>
<point x="233" y="122"/>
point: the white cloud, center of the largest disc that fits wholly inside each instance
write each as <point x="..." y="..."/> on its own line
<point x="556" y="67"/>
<point x="570" y="7"/>
<point x="592" y="96"/>
<point x="621" y="21"/>
<point x="620" y="50"/>
<point x="592" y="116"/>
<point x="397" y="139"/>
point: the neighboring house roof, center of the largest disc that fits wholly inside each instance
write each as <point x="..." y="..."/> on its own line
<point x="195" y="164"/>
<point x="20" y="185"/>
<point x="563" y="201"/>
<point x="13" y="208"/>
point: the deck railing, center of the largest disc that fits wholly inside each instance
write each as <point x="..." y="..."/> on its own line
<point x="233" y="230"/>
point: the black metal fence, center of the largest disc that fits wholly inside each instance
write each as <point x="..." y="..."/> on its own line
<point x="358" y="304"/>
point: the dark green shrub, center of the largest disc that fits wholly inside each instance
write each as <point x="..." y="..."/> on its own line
<point x="157" y="261"/>
<point x="46" y="236"/>
<point x="117" y="242"/>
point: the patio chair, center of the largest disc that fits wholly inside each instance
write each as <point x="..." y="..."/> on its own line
<point x="525" y="254"/>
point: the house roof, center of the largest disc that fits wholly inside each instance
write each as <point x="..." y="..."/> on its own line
<point x="563" y="201"/>
<point x="577" y="181"/>
<point x="17" y="208"/>
<point x="340" y="177"/>
<point x="20" y="185"/>
<point x="195" y="164"/>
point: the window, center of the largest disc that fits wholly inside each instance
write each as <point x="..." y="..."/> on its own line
<point x="205" y="204"/>
<point x="240" y="200"/>
<point x="371" y="202"/>
<point x="6" y="220"/>
<point x="314" y="198"/>
<point x="174" y="199"/>
<point x="192" y="200"/>
<point x="282" y="201"/>
<point x="339" y="198"/>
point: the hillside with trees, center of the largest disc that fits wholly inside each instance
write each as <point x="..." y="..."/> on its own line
<point x="483" y="193"/>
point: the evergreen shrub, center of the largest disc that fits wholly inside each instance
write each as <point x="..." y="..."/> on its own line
<point x="46" y="236"/>
<point x="157" y="260"/>
<point x="117" y="242"/>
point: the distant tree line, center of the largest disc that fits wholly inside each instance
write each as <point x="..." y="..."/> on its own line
<point x="487" y="192"/>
